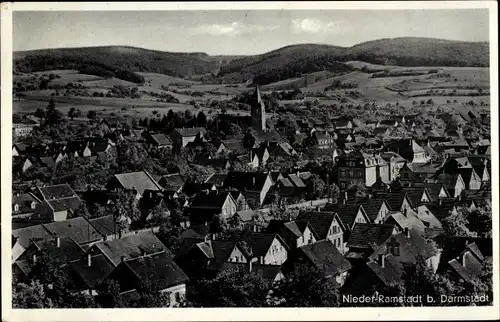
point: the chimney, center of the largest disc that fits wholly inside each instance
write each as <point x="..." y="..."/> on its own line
<point x="123" y="258"/>
<point x="254" y="228"/>
<point x="206" y="223"/>
<point x="345" y="196"/>
<point x="253" y="180"/>
<point x="407" y="232"/>
<point x="261" y="260"/>
<point x="58" y="242"/>
<point x="89" y="260"/>
<point x="381" y="260"/>
<point x="34" y="258"/>
<point x="214" y="236"/>
<point x="463" y="259"/>
<point x="440" y="201"/>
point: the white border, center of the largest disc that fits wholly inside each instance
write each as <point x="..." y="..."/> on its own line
<point x="347" y="314"/>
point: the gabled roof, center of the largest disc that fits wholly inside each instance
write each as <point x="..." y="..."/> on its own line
<point x="217" y="179"/>
<point x="67" y="251"/>
<point x="246" y="215"/>
<point x="233" y="144"/>
<point x="389" y="274"/>
<point x="131" y="246"/>
<point x="394" y="199"/>
<point x="56" y="192"/>
<point x="261" y="242"/>
<point x="105" y="225"/>
<point x="434" y="188"/>
<point x="427" y="217"/>
<point x="210" y="199"/>
<point x="172" y="182"/>
<point x="190" y="131"/>
<point x="158" y="268"/>
<point x="26" y="234"/>
<point x="415" y="194"/>
<point x="140" y="180"/>
<point x="319" y="221"/>
<point x="160" y="139"/>
<point x="346" y="213"/>
<point x="253" y="181"/>
<point x="78" y="229"/>
<point x="71" y="203"/>
<point x="325" y="256"/>
<point x="88" y="277"/>
<point x="24" y="201"/>
<point x="369" y="236"/>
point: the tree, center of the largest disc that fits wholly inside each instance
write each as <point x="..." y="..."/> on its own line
<point x="231" y="288"/>
<point x="40" y="113"/>
<point x="91" y="115"/>
<point x="125" y="208"/>
<point x="30" y="296"/>
<point x="480" y="220"/>
<point x="74" y="112"/>
<point x="109" y="294"/>
<point x="305" y="286"/>
<point x="456" y="224"/>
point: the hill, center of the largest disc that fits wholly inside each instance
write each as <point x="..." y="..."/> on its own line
<point x="106" y="61"/>
<point x="288" y="62"/>
<point x="421" y="52"/>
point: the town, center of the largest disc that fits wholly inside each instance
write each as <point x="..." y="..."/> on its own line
<point x="243" y="217"/>
<point x="251" y="158"/>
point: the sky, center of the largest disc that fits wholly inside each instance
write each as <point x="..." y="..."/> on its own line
<point x="239" y="32"/>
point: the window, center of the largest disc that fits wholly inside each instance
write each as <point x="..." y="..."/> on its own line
<point x="16" y="207"/>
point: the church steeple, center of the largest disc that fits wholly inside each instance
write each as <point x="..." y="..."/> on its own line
<point x="258" y="111"/>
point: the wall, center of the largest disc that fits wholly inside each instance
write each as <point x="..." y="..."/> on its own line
<point x="305" y="238"/>
<point x="237" y="256"/>
<point x="278" y="256"/>
<point x="176" y="291"/>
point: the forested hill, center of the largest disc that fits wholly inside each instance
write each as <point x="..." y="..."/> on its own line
<point x="283" y="63"/>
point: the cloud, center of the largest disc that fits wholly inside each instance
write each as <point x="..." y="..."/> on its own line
<point x="312" y="25"/>
<point x="230" y="29"/>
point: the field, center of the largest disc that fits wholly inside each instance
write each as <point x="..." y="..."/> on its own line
<point x="446" y="86"/>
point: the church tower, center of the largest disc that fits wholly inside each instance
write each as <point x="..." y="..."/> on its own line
<point x="258" y="111"/>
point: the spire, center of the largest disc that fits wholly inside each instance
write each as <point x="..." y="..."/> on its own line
<point x="257" y="94"/>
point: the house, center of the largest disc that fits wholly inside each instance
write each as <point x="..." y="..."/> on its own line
<point x="245" y="216"/>
<point x="158" y="269"/>
<point x="78" y="148"/>
<point x="417" y="195"/>
<point x="159" y="141"/>
<point x="78" y="229"/>
<point x="88" y="272"/>
<point x="19" y="149"/>
<point x="388" y="123"/>
<point x="24" y="204"/>
<point x="426" y="216"/>
<point x="182" y="136"/>
<point x="324" y="256"/>
<point x="410" y="150"/>
<point x="323" y="140"/>
<point x="435" y="190"/>
<point x="206" y="205"/>
<point x="216" y="179"/>
<point x="207" y="257"/>
<point x="411" y="173"/>
<point x="128" y="247"/>
<point x="395" y="163"/>
<point x="471" y="178"/>
<point x="362" y="168"/>
<point x="23" y="237"/>
<point x="342" y="123"/>
<point x="376" y="208"/>
<point x="107" y="226"/>
<point x="366" y="238"/>
<point x="326" y="225"/>
<point x="57" y="201"/>
<point x="23" y="128"/>
<point x="405" y="220"/>
<point x="231" y="146"/>
<point x="349" y="215"/>
<point x="269" y="249"/>
<point x="253" y="185"/>
<point x="137" y="182"/>
<point x="382" y="131"/>
<point x="294" y="233"/>
<point x="397" y="201"/>
<point x="216" y="163"/>
<point x="463" y="259"/>
<point x="172" y="183"/>
<point x="453" y="183"/>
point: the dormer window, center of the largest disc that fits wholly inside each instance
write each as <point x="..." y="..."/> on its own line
<point x="33" y="205"/>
